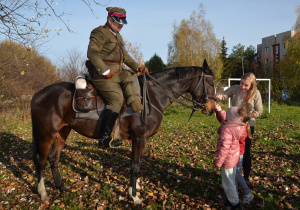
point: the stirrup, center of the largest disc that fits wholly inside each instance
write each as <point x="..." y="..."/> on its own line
<point x="118" y="143"/>
<point x="110" y="144"/>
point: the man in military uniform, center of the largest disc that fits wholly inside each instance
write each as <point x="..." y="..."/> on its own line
<point x="107" y="53"/>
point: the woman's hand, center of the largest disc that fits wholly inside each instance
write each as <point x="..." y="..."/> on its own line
<point x="219" y="97"/>
<point x="253" y="115"/>
<point x="218" y="107"/>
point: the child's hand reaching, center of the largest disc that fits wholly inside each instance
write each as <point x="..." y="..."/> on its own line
<point x="218" y="107"/>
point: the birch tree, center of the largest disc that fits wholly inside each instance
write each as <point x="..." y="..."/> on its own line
<point x="193" y="41"/>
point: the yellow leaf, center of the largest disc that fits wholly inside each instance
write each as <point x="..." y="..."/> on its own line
<point x="72" y="180"/>
<point x="22" y="73"/>
<point x="150" y="194"/>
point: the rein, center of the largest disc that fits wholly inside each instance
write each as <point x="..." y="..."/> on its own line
<point x="196" y="105"/>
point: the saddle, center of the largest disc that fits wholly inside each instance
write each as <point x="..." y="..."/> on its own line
<point x="87" y="102"/>
<point x="85" y="97"/>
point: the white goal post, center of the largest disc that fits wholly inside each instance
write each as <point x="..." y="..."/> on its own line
<point x="238" y="79"/>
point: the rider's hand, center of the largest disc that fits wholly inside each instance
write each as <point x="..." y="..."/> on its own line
<point x="143" y="69"/>
<point x="108" y="74"/>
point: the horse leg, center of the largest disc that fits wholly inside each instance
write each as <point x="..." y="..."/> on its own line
<point x="54" y="156"/>
<point x="40" y="155"/>
<point x="138" y="147"/>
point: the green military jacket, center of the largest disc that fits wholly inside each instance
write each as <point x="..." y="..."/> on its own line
<point x="102" y="42"/>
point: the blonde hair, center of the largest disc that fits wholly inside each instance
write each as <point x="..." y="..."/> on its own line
<point x="245" y="119"/>
<point x="251" y="77"/>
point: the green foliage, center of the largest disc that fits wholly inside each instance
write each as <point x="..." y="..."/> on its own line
<point x="289" y="67"/>
<point x="236" y="59"/>
<point x="155" y="63"/>
<point x="241" y="60"/>
<point x="225" y="63"/>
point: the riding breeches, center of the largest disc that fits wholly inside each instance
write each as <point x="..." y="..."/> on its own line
<point x="111" y="89"/>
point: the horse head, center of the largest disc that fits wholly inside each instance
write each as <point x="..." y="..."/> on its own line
<point x="203" y="90"/>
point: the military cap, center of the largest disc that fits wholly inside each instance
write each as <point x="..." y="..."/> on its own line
<point x="118" y="14"/>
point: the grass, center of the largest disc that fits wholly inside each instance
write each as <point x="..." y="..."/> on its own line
<point x="177" y="169"/>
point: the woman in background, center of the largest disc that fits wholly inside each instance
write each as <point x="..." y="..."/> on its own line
<point x="246" y="95"/>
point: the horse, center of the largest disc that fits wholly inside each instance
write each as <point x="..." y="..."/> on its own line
<point x="53" y="118"/>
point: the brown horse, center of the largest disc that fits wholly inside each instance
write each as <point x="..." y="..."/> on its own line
<point x="53" y="118"/>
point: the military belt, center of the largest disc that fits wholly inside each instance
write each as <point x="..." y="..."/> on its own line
<point x="112" y="62"/>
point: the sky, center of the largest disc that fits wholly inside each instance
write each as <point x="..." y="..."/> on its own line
<point x="150" y="23"/>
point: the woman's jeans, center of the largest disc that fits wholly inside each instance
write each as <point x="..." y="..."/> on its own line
<point x="247" y="158"/>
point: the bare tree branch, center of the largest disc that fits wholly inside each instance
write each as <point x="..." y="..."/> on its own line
<point x="72" y="65"/>
<point x="26" y="21"/>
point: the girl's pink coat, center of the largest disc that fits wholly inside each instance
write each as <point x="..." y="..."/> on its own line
<point x="228" y="148"/>
<point x="221" y="116"/>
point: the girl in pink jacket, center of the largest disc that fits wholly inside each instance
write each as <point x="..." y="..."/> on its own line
<point x="228" y="152"/>
<point x="239" y="179"/>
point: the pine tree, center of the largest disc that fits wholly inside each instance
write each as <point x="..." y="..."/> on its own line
<point x="225" y="64"/>
<point x="155" y="63"/>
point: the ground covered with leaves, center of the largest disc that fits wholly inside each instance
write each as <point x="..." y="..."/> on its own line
<point x="177" y="170"/>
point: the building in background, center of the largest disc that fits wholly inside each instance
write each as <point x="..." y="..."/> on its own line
<point x="271" y="51"/>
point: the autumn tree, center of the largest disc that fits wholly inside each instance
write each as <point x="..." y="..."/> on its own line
<point x="23" y="71"/>
<point x="289" y="66"/>
<point x="134" y="51"/>
<point x="193" y="41"/>
<point x="155" y="63"/>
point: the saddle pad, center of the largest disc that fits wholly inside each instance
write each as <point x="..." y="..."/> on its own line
<point x="88" y="116"/>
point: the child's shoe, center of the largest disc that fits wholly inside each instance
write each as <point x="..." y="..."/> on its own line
<point x="227" y="203"/>
<point x="237" y="206"/>
<point x="248" y="198"/>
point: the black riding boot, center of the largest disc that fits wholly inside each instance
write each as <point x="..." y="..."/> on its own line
<point x="108" y="120"/>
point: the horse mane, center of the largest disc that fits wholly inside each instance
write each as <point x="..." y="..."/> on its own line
<point x="182" y="72"/>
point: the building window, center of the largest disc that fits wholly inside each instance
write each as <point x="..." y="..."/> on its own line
<point x="266" y="50"/>
<point x="284" y="47"/>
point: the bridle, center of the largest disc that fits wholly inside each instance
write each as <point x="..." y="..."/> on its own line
<point x="196" y="105"/>
<point x="202" y="79"/>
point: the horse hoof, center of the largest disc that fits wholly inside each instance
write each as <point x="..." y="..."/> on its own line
<point x="44" y="198"/>
<point x="137" y="201"/>
<point x="138" y="187"/>
<point x="62" y="189"/>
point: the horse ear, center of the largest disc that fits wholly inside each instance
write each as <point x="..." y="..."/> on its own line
<point x="206" y="68"/>
<point x="205" y="65"/>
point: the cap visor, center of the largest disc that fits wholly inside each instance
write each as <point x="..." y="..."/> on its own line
<point x="123" y="21"/>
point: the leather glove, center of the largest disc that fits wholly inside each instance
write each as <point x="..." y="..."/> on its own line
<point x="143" y="69"/>
<point x="109" y="75"/>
